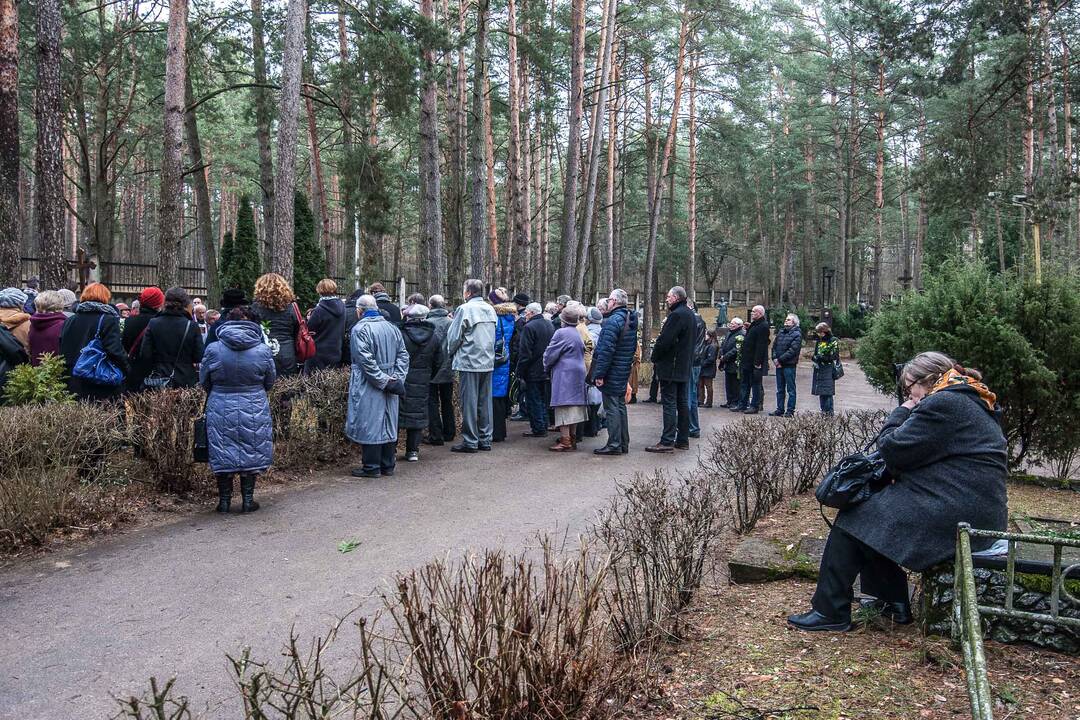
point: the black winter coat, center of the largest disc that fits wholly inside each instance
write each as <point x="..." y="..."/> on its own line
<point x="673" y="353"/>
<point x="729" y="351"/>
<point x="613" y="356"/>
<point x="534" y="341"/>
<point x="755" y="349"/>
<point x="351" y="319"/>
<point x="425" y="357"/>
<point x="140" y="368"/>
<point x="161" y="349"/>
<point x="327" y="326"/>
<point x="440" y="318"/>
<point x="787" y="345"/>
<point x="283" y="327"/>
<point x="948" y="458"/>
<point x="389" y="309"/>
<point x="708" y="365"/>
<point x="78" y="331"/>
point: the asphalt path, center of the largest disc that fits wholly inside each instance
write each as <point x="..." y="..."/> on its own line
<point x="81" y="625"/>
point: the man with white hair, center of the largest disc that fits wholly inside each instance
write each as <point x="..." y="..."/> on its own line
<point x="470" y="340"/>
<point x="612" y="362"/>
<point x="753" y="363"/>
<point x="785" y="355"/>
<point x="380" y="364"/>
<point x="535" y="336"/>
<point x="730" y="355"/>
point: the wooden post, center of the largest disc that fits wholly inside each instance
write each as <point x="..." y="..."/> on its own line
<point x="401" y="291"/>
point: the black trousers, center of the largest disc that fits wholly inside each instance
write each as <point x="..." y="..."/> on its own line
<point x="441" y="411"/>
<point x="732" y="389"/>
<point x="675" y="397"/>
<point x="412" y="439"/>
<point x="846" y="558"/>
<point x="654" y="387"/>
<point x="500" y="409"/>
<point x="379" y="457"/>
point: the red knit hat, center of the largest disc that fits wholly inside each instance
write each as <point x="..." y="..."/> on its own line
<point x="152" y="298"/>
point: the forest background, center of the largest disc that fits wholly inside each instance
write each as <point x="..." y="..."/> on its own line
<point x="815" y="153"/>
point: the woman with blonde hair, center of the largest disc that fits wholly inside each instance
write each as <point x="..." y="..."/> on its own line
<point x="327" y="326"/>
<point x="946" y="455"/>
<point x="275" y="309"/>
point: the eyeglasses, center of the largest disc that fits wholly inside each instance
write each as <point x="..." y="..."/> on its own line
<point x="908" y="386"/>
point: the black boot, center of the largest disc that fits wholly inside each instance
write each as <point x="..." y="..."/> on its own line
<point x="247" y="492"/>
<point x="224" y="492"/>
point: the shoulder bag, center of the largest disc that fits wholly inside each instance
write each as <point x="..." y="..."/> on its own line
<point x="854" y="479"/>
<point x="157" y="379"/>
<point x="502" y="352"/>
<point x="200" y="449"/>
<point x="94" y="365"/>
<point x="305" y="344"/>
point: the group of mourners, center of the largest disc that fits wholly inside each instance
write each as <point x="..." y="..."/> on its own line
<point x="575" y="368"/>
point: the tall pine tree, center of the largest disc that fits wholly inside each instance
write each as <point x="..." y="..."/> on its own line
<point x="309" y="260"/>
<point x="225" y="260"/>
<point x="244" y="265"/>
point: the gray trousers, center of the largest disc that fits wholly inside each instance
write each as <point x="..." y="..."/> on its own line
<point x="475" y="389"/>
<point x="618" y="425"/>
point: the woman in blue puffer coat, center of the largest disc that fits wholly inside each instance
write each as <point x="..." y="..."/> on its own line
<point x="236" y="372"/>
<point x="500" y="378"/>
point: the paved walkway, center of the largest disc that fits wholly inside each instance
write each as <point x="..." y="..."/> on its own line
<point x="80" y="625"/>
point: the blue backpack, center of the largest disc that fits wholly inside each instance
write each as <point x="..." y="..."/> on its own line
<point x="93" y="364"/>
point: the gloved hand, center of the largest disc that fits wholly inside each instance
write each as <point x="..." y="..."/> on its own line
<point x="395" y="387"/>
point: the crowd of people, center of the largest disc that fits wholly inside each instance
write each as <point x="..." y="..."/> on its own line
<point x="562" y="367"/>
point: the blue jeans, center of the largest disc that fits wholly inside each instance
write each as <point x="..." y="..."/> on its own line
<point x="785" y="384"/>
<point x="695" y="375"/>
<point x="534" y="399"/>
<point x="825" y="402"/>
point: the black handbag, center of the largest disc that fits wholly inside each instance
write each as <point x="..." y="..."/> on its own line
<point x="200" y="450"/>
<point x="854" y="479"/>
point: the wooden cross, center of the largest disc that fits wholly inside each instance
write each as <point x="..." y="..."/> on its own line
<point x="83" y="264"/>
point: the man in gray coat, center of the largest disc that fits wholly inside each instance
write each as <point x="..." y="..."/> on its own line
<point x="470" y="340"/>
<point x="441" y="424"/>
<point x="380" y="363"/>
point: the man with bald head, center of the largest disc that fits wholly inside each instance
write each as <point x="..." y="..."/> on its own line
<point x="754" y="361"/>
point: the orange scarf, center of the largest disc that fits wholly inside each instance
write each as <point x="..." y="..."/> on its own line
<point x="954" y="379"/>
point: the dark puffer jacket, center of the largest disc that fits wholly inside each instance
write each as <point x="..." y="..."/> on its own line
<point x="615" y="348"/>
<point x="425" y="357"/>
<point x="236" y="372"/>
<point x="327" y="326"/>
<point x="787" y="345"/>
<point x="730" y="351"/>
<point x="78" y="331"/>
<point x="708" y="363"/>
<point x="161" y="347"/>
<point x="504" y="332"/>
<point x="283" y="327"/>
<point x="949" y="463"/>
<point x="534" y="341"/>
<point x="673" y="353"/>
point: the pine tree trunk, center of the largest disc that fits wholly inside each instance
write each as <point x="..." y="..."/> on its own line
<point x="879" y="188"/>
<point x="48" y="157"/>
<point x="525" y="276"/>
<point x="262" y="127"/>
<point x="515" y="242"/>
<point x="348" y="181"/>
<point x="281" y="260"/>
<point x="654" y="220"/>
<point x="607" y="278"/>
<point x="320" y="190"/>
<point x="691" y="191"/>
<point x="477" y="153"/>
<point x="10" y="221"/>
<point x="596" y="135"/>
<point x="204" y="221"/>
<point x="1072" y="215"/>
<point x="568" y="253"/>
<point x="431" y="238"/>
<point x="170" y="213"/>
<point x="495" y="271"/>
<point x="922" y="221"/>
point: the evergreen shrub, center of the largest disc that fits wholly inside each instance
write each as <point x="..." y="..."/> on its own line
<point x="1023" y="337"/>
<point x="38" y="385"/>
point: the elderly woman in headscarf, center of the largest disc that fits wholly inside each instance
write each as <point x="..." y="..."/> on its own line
<point x="564" y="361"/>
<point x="14" y="317"/>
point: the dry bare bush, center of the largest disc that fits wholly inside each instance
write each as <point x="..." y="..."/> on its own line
<point x="309" y="414"/>
<point x="658" y="532"/>
<point x="50" y="458"/>
<point x="758" y="462"/>
<point x="161" y="426"/>
<point x="503" y="636"/>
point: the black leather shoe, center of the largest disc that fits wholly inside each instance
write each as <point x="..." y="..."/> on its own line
<point x="530" y="433"/>
<point x="682" y="446"/>
<point x="736" y="408"/>
<point x="624" y="450"/>
<point x="607" y="450"/>
<point x="695" y="435"/>
<point x="899" y="613"/>
<point x="485" y="448"/>
<point x="750" y="411"/>
<point x="814" y="621"/>
<point x="660" y="448"/>
<point x="387" y="473"/>
<point x="362" y="473"/>
<point x="776" y="413"/>
<point x="462" y="449"/>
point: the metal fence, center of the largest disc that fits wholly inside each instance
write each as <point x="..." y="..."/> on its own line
<point x="967" y="612"/>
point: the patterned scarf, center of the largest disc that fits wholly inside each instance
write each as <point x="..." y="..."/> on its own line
<point x="954" y="379"/>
